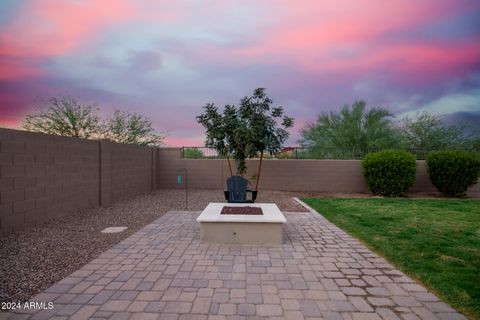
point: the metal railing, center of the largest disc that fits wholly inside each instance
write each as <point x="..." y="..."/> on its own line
<point x="295" y="153"/>
<point x="200" y="153"/>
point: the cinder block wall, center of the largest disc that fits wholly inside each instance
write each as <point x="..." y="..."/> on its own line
<point x="282" y="175"/>
<point x="202" y="173"/>
<point x="132" y="170"/>
<point x="44" y="176"/>
<point x="344" y="176"/>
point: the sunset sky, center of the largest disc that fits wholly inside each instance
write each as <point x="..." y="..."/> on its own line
<point x="166" y="59"/>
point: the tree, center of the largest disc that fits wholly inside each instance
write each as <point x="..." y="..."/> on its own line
<point x="244" y="132"/>
<point x="192" y="153"/>
<point x="131" y="128"/>
<point x="429" y="132"/>
<point x="354" y="128"/>
<point x="66" y="117"/>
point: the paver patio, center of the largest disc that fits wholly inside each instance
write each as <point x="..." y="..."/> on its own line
<point x="164" y="272"/>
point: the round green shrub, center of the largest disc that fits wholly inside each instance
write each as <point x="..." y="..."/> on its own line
<point x="389" y="172"/>
<point x="452" y="172"/>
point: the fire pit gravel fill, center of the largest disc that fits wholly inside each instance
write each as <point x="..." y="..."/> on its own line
<point x="242" y="210"/>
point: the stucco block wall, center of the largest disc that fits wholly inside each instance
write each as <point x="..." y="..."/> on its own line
<point x="283" y="175"/>
<point x="132" y="170"/>
<point x="44" y="176"/>
<point x="202" y="173"/>
<point x="343" y="176"/>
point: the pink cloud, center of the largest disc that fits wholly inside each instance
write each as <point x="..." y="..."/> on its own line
<point x="180" y="142"/>
<point x="416" y="63"/>
<point x="356" y="37"/>
<point x="14" y="68"/>
<point x="50" y="28"/>
<point x="10" y="122"/>
<point x="422" y="60"/>
<point x="318" y="26"/>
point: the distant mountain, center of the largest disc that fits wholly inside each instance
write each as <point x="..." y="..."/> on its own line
<point x="472" y="119"/>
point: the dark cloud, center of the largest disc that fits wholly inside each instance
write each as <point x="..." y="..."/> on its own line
<point x="144" y="61"/>
<point x="457" y="27"/>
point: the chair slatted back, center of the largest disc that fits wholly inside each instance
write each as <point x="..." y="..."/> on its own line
<point x="237" y="187"/>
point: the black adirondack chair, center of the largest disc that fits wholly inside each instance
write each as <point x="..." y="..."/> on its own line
<point x="237" y="190"/>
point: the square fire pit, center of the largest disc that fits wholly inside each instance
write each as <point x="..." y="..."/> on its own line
<point x="237" y="228"/>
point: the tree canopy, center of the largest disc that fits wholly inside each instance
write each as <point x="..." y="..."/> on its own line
<point x="353" y="128"/>
<point x="429" y="132"/>
<point x="65" y="117"/>
<point x="244" y="131"/>
<point x="131" y="128"/>
<point x="192" y="153"/>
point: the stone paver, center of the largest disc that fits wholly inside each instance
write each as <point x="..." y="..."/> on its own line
<point x="164" y="272"/>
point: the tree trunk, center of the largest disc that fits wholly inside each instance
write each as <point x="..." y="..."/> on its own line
<point x="259" y="171"/>
<point x="229" y="165"/>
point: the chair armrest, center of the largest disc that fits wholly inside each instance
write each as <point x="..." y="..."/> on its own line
<point x="254" y="194"/>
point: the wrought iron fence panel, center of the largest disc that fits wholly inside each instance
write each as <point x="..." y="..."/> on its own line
<point x="299" y="153"/>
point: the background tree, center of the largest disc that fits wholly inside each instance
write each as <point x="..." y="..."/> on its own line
<point x="66" y="117"/>
<point x="131" y="128"/>
<point x="429" y="132"/>
<point x="353" y="128"/>
<point x="193" y="153"/>
<point x="253" y="128"/>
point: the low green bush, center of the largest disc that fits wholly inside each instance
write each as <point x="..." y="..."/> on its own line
<point x="452" y="172"/>
<point x="389" y="172"/>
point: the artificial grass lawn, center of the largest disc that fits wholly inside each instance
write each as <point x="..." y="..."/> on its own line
<point x="436" y="241"/>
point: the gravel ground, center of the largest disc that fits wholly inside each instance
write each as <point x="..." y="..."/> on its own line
<point x="31" y="261"/>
